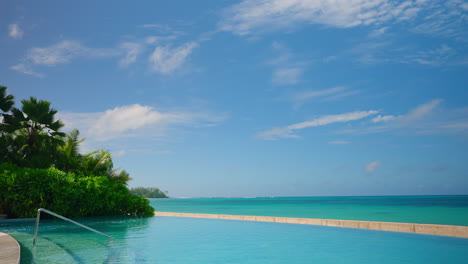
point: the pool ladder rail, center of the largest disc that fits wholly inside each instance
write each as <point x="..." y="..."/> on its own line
<point x="36" y="230"/>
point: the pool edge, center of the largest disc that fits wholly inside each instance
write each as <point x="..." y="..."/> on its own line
<point x="9" y="249"/>
<point x="426" y="229"/>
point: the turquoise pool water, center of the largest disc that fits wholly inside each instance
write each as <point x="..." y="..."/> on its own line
<point x="449" y="210"/>
<point x="192" y="240"/>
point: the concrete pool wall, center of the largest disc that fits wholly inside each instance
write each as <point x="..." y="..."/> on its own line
<point x="427" y="229"/>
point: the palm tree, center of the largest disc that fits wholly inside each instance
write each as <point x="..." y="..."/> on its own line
<point x="36" y="133"/>
<point x="99" y="163"/>
<point x="6" y="101"/>
<point x="70" y="158"/>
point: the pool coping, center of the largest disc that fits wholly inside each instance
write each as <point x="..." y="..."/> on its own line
<point x="9" y="250"/>
<point x="427" y="229"/>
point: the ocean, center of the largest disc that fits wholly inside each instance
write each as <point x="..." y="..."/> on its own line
<point x="447" y="210"/>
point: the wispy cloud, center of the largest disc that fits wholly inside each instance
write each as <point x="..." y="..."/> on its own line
<point x="441" y="55"/>
<point x="307" y="95"/>
<point x="15" y="31"/>
<point x="288" y="131"/>
<point x="443" y="18"/>
<point x="158" y="27"/>
<point x="378" y="32"/>
<point x="384" y="118"/>
<point x="119" y="153"/>
<point x="287" y="69"/>
<point x="374" y="52"/>
<point x="166" y="60"/>
<point x="420" y="111"/>
<point x="439" y="18"/>
<point x="159" y="39"/>
<point x="26" y="70"/>
<point x="287" y="76"/>
<point x="133" y="121"/>
<point x="426" y="118"/>
<point x="60" y="53"/>
<point x="64" y="52"/>
<point x="251" y="16"/>
<point x="372" y="166"/>
<point x="132" y="50"/>
<point x="330" y="94"/>
<point x="339" y="142"/>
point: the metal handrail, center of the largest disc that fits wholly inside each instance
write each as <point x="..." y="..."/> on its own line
<point x="63" y="218"/>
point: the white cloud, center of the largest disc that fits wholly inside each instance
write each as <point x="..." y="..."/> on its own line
<point x="385" y="118"/>
<point x="386" y="52"/>
<point x="159" y="39"/>
<point x="440" y="18"/>
<point x="443" y="18"/>
<point x="26" y="70"/>
<point x="159" y="27"/>
<point x="420" y="111"/>
<point x="329" y="119"/>
<point x="371" y="167"/>
<point x="119" y="153"/>
<point x="342" y="95"/>
<point x="435" y="57"/>
<point x="163" y="59"/>
<point x="267" y="15"/>
<point x="287" y="76"/>
<point x="330" y="94"/>
<point x="330" y="58"/>
<point x="123" y="119"/>
<point x="287" y="132"/>
<point x="132" y="50"/>
<point x="64" y="52"/>
<point x="378" y="32"/>
<point x="339" y="142"/>
<point x="15" y="31"/>
<point x="133" y="120"/>
<point x="304" y="96"/>
<point x="68" y="50"/>
<point x="426" y="118"/>
<point x="287" y="69"/>
<point x="167" y="60"/>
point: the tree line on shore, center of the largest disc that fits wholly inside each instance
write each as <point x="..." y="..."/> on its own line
<point x="149" y="192"/>
<point x="41" y="166"/>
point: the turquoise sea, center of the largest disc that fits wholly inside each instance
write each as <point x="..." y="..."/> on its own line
<point x="449" y="210"/>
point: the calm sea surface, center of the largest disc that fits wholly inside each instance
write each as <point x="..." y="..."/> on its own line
<point x="449" y="210"/>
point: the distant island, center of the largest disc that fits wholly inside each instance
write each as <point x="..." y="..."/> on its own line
<point x="149" y="192"/>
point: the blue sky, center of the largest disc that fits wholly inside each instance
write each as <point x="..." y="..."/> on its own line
<point x="255" y="98"/>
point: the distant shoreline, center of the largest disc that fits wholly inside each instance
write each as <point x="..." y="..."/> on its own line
<point x="426" y="229"/>
<point x="439" y="210"/>
<point x="325" y="196"/>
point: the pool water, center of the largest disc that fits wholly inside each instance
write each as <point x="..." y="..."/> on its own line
<point x="194" y="240"/>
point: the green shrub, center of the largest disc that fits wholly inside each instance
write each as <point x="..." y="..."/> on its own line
<point x="24" y="190"/>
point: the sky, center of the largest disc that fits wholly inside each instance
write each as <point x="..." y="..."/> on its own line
<point x="221" y="98"/>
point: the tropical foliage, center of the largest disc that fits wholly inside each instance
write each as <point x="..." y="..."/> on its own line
<point x="148" y="192"/>
<point x="40" y="166"/>
<point x="24" y="190"/>
<point x="31" y="134"/>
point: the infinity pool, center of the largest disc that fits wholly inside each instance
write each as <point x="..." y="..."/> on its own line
<point x="193" y="240"/>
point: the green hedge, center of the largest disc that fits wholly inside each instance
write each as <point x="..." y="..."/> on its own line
<point x="24" y="190"/>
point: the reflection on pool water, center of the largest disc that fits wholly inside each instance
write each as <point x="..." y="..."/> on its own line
<point x="193" y="240"/>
